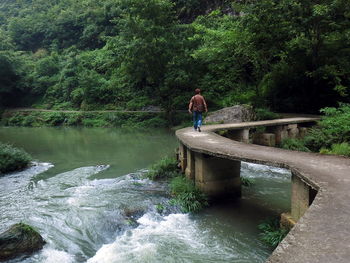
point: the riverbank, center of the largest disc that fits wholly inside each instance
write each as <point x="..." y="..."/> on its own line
<point x="132" y="119"/>
<point x="12" y="158"/>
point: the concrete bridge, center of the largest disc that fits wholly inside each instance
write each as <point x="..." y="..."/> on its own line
<point x="320" y="205"/>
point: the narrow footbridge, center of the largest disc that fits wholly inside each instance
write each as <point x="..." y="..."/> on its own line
<point x="320" y="205"/>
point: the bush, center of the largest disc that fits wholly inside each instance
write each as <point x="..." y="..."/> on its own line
<point x="165" y="168"/>
<point x="338" y="149"/>
<point x="316" y="139"/>
<point x="246" y="181"/>
<point x="53" y="118"/>
<point x="265" y="114"/>
<point x="333" y="128"/>
<point x="187" y="195"/>
<point x="336" y="123"/>
<point x="294" y="145"/>
<point x="12" y="159"/>
<point x="271" y="232"/>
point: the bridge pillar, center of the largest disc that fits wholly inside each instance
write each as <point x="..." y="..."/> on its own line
<point x="293" y="130"/>
<point x="183" y="157"/>
<point x="281" y="132"/>
<point x="190" y="167"/>
<point x="302" y="197"/>
<point x="217" y="177"/>
<point x="239" y="135"/>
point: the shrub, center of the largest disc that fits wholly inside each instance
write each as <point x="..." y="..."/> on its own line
<point x="246" y="181"/>
<point x="165" y="168"/>
<point x="336" y="123"/>
<point x="12" y="159"/>
<point x="334" y="128"/>
<point x="53" y="118"/>
<point x="271" y="232"/>
<point x="187" y="195"/>
<point x="316" y="139"/>
<point x="294" y="145"/>
<point x="338" y="149"/>
<point x="265" y="114"/>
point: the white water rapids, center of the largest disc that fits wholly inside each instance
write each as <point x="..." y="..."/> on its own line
<point x="83" y="219"/>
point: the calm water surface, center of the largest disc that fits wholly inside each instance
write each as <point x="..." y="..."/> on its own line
<point x="86" y="181"/>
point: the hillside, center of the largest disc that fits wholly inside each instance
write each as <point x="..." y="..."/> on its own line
<point x="126" y="54"/>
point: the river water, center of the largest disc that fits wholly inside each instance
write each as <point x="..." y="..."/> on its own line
<point x="88" y="199"/>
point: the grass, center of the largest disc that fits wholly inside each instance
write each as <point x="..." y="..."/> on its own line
<point x="12" y="158"/>
<point x="187" y="195"/>
<point x="294" y="145"/>
<point x="247" y="181"/>
<point x="271" y="232"/>
<point x="338" y="149"/>
<point x="163" y="169"/>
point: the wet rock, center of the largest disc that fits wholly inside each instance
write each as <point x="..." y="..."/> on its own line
<point x="20" y="239"/>
<point x="135" y="213"/>
<point x="237" y="113"/>
<point x="132" y="214"/>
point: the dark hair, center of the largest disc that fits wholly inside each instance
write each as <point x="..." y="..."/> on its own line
<point x="197" y="91"/>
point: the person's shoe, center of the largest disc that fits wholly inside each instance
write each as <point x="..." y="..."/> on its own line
<point x="199" y="129"/>
<point x="195" y="129"/>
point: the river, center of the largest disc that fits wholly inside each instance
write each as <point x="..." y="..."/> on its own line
<point x="88" y="199"/>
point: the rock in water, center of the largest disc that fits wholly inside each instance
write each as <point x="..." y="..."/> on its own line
<point x="18" y="240"/>
<point x="237" y="113"/>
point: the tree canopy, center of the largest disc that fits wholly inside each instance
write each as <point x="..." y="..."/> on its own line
<point x="289" y="55"/>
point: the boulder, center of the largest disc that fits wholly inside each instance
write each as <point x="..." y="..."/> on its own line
<point x="20" y="239"/>
<point x="237" y="113"/>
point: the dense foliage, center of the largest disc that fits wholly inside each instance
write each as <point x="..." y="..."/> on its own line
<point x="12" y="158"/>
<point x="139" y="120"/>
<point x="330" y="136"/>
<point x="165" y="168"/>
<point x="127" y="54"/>
<point x="184" y="192"/>
<point x="271" y="232"/>
<point x="187" y="195"/>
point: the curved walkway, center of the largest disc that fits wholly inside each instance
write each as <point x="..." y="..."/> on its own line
<point x="323" y="233"/>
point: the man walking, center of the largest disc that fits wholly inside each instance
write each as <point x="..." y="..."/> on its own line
<point x="197" y="106"/>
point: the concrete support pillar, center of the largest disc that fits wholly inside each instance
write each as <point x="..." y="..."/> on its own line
<point x="190" y="167"/>
<point x="217" y="177"/>
<point x="266" y="139"/>
<point x="239" y="135"/>
<point x="281" y="133"/>
<point x="293" y="130"/>
<point x="302" y="132"/>
<point x="300" y="197"/>
<point x="183" y="157"/>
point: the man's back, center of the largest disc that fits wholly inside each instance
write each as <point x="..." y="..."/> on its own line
<point x="198" y="103"/>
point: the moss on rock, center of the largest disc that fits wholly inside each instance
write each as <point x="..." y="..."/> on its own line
<point x="20" y="239"/>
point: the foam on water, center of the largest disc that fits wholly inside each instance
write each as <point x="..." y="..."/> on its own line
<point x="50" y="255"/>
<point x="253" y="170"/>
<point x="173" y="238"/>
<point x="142" y="244"/>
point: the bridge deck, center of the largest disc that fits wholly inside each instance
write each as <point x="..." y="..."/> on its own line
<point x="323" y="233"/>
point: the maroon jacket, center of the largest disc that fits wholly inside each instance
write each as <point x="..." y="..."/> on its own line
<point x="197" y="103"/>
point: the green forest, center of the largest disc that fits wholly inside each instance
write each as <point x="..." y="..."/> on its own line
<point x="286" y="55"/>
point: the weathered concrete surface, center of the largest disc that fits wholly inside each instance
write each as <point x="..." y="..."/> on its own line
<point x="217" y="177"/>
<point x="323" y="233"/>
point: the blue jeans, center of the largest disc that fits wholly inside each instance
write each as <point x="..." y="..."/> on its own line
<point x="197" y="119"/>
